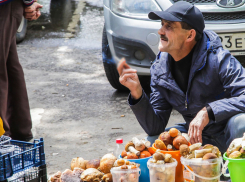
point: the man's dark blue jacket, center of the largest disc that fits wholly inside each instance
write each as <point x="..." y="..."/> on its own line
<point x="216" y="78"/>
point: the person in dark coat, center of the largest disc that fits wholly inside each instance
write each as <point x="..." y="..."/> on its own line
<point x="194" y="75"/>
<point x="14" y="105"/>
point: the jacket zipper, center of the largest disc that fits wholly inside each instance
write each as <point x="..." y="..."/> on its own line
<point x="186" y="101"/>
<point x="208" y="49"/>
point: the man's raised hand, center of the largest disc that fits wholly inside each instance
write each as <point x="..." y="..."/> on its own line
<point x="32" y="12"/>
<point x="129" y="78"/>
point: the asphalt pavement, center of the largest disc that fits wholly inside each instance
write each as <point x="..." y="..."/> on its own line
<point x="73" y="106"/>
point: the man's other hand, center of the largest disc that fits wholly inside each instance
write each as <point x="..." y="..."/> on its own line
<point x="32" y="12"/>
<point x="197" y="125"/>
<point x="129" y="78"/>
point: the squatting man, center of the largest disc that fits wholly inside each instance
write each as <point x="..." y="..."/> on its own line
<point x="192" y="74"/>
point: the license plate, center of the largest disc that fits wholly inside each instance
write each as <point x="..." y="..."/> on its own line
<point x="234" y="42"/>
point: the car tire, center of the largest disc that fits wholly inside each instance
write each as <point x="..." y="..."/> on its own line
<point x="110" y="65"/>
<point x="21" y="32"/>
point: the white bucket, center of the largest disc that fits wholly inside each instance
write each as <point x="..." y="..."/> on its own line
<point x="4" y="149"/>
<point x="162" y="172"/>
<point x="124" y="175"/>
<point x="196" y="170"/>
<point x="4" y="140"/>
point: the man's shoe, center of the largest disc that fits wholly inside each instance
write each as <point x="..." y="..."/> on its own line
<point x="223" y="178"/>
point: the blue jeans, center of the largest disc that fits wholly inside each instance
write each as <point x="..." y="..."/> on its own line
<point x="234" y="129"/>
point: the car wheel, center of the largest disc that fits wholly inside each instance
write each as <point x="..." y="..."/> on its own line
<point x="110" y="65"/>
<point x="21" y="32"/>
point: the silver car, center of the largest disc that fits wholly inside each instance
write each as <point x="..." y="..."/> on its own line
<point x="129" y="33"/>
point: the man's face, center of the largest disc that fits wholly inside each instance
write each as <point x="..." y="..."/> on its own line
<point x="172" y="37"/>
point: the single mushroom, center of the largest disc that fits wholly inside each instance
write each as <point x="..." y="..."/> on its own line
<point x="208" y="146"/>
<point x="191" y="155"/>
<point x="91" y="175"/>
<point x="55" y="177"/>
<point x="195" y="146"/>
<point x="166" y="138"/>
<point x="69" y="175"/>
<point x="200" y="153"/>
<point x="184" y="150"/>
<point x="119" y="162"/>
<point x="168" y="158"/>
<point x="106" y="163"/>
<point x="132" y="156"/>
<point x="124" y="154"/>
<point x="78" y="162"/>
<point x="179" y="140"/>
<point x="216" y="151"/>
<point x="130" y="148"/>
<point x="158" y="156"/>
<point x="209" y="156"/>
<point x="146" y="143"/>
<point x="160" y="145"/>
<point x="235" y="155"/>
<point x="95" y="163"/>
<point x="107" y="177"/>
<point x="170" y="147"/>
<point x="138" y="144"/>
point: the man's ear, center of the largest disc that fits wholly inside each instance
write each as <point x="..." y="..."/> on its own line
<point x="191" y="35"/>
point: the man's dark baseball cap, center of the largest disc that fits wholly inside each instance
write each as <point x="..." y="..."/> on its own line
<point x="182" y="12"/>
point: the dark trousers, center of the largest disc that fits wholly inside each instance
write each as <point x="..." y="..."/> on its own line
<point x="14" y="105"/>
<point x="234" y="129"/>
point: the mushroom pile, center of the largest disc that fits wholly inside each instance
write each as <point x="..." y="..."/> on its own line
<point x="93" y="170"/>
<point x="198" y="151"/>
<point x="90" y="171"/>
<point x="124" y="164"/>
<point x="236" y="149"/>
<point x="160" y="158"/>
<point x="137" y="149"/>
<point x="171" y="140"/>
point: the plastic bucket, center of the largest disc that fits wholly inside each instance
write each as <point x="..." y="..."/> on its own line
<point x="144" y="176"/>
<point x="4" y="140"/>
<point x="201" y="170"/>
<point x="162" y="172"/>
<point x="236" y="168"/>
<point x="124" y="175"/>
<point x="7" y="149"/>
<point x="179" y="169"/>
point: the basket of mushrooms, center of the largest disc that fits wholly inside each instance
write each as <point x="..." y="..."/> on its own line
<point x="125" y="171"/>
<point x="235" y="160"/>
<point x="169" y="142"/>
<point x="201" y="163"/>
<point x="139" y="151"/>
<point x="162" y="167"/>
